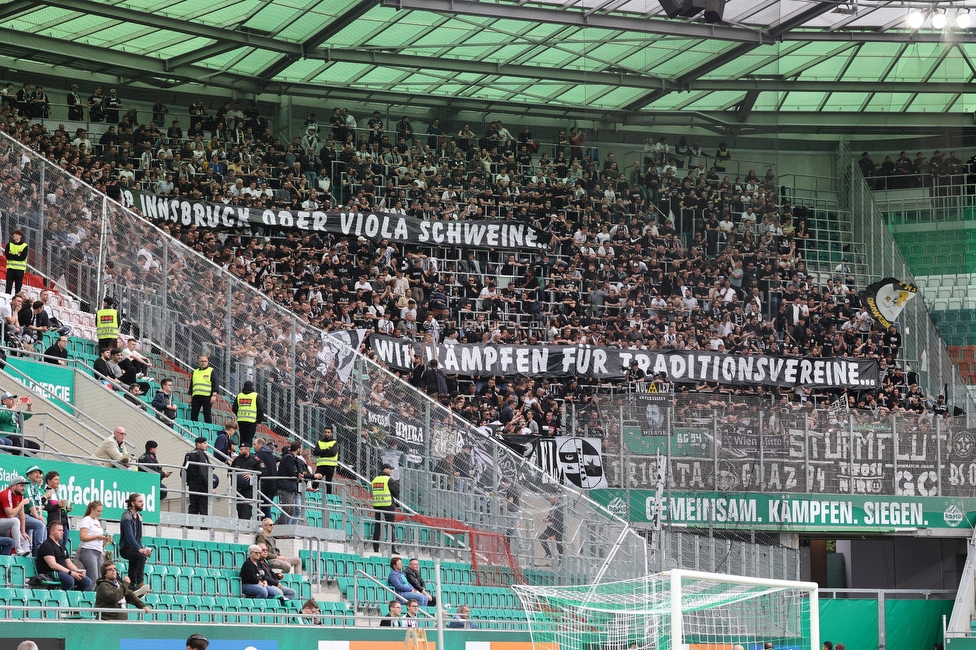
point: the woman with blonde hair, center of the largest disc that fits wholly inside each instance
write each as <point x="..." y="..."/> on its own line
<point x="91" y="551"/>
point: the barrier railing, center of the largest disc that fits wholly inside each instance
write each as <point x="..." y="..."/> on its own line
<point x="186" y="304"/>
<point x="737" y="443"/>
<point x="884" y="259"/>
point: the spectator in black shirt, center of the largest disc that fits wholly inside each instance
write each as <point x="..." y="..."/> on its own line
<point x="58" y="352"/>
<point x="52" y="559"/>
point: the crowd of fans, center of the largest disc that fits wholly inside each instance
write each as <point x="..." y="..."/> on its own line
<point x="945" y="172"/>
<point x="670" y="253"/>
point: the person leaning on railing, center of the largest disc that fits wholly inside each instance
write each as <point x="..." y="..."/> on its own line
<point x="112" y="593"/>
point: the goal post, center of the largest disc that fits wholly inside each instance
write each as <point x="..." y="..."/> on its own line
<point x="675" y="610"/>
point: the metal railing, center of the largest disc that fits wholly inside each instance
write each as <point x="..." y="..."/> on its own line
<point x="749" y="444"/>
<point x="960" y="623"/>
<point x="884" y="259"/>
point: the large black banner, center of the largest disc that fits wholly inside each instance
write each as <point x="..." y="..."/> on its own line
<point x="375" y="226"/>
<point x="486" y="360"/>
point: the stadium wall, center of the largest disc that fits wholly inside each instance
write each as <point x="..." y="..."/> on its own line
<point x="908" y="625"/>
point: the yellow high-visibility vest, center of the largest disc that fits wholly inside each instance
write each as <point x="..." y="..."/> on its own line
<point x="17" y="249"/>
<point x="247" y="407"/>
<point x="382" y="497"/>
<point x="200" y="384"/>
<point x="107" y="323"/>
<point x="327" y="461"/>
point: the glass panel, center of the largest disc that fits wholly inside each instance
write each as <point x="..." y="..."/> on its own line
<point x="845" y="101"/>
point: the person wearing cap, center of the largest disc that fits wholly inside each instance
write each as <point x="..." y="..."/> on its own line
<point x="12" y="423"/>
<point x="149" y="463"/>
<point x="198" y="482"/>
<point x="113" y="451"/>
<point x="107" y="324"/>
<point x="12" y="519"/>
<point x="16" y="252"/>
<point x="203" y="390"/>
<point x="385" y="490"/>
<point x="249" y="409"/>
<point x="34" y="495"/>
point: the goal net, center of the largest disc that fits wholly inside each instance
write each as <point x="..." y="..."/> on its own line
<point x="676" y="610"/>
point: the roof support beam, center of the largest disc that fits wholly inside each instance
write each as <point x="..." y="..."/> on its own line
<point x="893" y="36"/>
<point x="777" y="30"/>
<point x="117" y="12"/>
<point x="742" y="113"/>
<point x="341" y="22"/>
<point x="348" y="17"/>
<point x="97" y="59"/>
<point x="216" y="49"/>
<point x="637" y="81"/>
<point x="506" y="70"/>
<point x="14" y="8"/>
<point x="577" y="19"/>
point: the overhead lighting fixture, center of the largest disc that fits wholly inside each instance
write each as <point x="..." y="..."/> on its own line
<point x="963" y="20"/>
<point x="714" y="9"/>
<point x="939" y="19"/>
<point x="915" y="19"/>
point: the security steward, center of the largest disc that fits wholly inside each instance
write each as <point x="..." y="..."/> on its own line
<point x="107" y="325"/>
<point x="385" y="490"/>
<point x="327" y="452"/>
<point x="16" y="253"/>
<point x="203" y="390"/>
<point x="249" y="411"/>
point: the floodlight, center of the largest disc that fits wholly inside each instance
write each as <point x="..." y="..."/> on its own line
<point x="915" y="19"/>
<point x="963" y="20"/>
<point x="939" y="20"/>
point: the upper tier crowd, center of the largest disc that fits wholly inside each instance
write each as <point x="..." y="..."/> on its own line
<point x="943" y="172"/>
<point x="669" y="253"/>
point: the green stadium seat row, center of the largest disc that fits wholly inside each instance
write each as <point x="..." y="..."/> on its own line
<point x="458" y="586"/>
<point x="42" y="598"/>
<point x="176" y="580"/>
<point x="217" y="605"/>
<point x="185" y="552"/>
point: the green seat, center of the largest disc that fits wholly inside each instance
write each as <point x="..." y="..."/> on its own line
<point x="81" y="607"/>
<point x="20" y="570"/>
<point x="170" y="580"/>
<point x="183" y="580"/>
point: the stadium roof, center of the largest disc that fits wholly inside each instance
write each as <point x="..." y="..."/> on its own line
<point x="812" y="63"/>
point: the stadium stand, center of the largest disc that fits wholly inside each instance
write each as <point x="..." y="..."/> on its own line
<point x="758" y="265"/>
